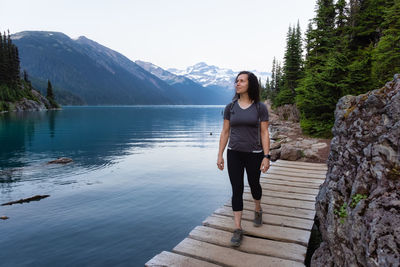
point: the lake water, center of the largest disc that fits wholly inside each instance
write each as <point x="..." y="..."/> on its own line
<point x="142" y="178"/>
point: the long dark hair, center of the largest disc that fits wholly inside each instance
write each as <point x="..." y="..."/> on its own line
<point x="254" y="86"/>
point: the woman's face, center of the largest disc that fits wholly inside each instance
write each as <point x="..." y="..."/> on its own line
<point x="242" y="84"/>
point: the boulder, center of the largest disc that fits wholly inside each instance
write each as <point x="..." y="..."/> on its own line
<point x="275" y="145"/>
<point x="358" y="205"/>
<point x="290" y="152"/>
<point x="275" y="154"/>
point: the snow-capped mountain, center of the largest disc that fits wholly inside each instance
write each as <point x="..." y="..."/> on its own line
<point x="193" y="92"/>
<point x="164" y="75"/>
<point x="213" y="76"/>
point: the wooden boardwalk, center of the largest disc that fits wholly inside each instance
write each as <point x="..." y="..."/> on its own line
<point x="288" y="203"/>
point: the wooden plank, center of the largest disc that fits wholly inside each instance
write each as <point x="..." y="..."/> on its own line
<point x="288" y="183"/>
<point x="301" y="163"/>
<point x="282" y="202"/>
<point x="289" y="189"/>
<point x="269" y="218"/>
<point x="299" y="166"/>
<point x="305" y="175"/>
<point x="294" y="170"/>
<point x="252" y="245"/>
<point x="279" y="210"/>
<point x="273" y="232"/>
<point x="292" y="178"/>
<point x="228" y="256"/>
<point x="270" y="193"/>
<point x="166" y="258"/>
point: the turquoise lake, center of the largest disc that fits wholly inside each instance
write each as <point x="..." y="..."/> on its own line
<point x="141" y="179"/>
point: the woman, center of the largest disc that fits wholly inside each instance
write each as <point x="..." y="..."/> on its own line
<point x="246" y="127"/>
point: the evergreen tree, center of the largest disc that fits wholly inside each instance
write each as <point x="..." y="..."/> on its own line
<point x="267" y="93"/>
<point x="308" y="40"/>
<point x="26" y="76"/>
<point x="317" y="92"/>
<point x="50" y="94"/>
<point x="386" y="56"/>
<point x="15" y="65"/>
<point x="267" y="84"/>
<point x="273" y="74"/>
<point x="2" y="61"/>
<point x="365" y="18"/>
<point x="292" y="67"/>
<point x="341" y="17"/>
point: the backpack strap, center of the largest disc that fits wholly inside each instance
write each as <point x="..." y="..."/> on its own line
<point x="232" y="105"/>
<point x="259" y="124"/>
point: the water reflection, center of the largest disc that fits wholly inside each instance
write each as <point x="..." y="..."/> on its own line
<point x="141" y="179"/>
<point x="96" y="137"/>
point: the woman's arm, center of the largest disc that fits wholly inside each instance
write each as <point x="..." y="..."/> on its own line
<point x="265" y="144"/>
<point x="223" y="140"/>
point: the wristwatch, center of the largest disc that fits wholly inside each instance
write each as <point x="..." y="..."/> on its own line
<point x="268" y="156"/>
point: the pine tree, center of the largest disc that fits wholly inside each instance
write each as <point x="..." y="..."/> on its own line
<point x="317" y="94"/>
<point x="292" y="68"/>
<point x="386" y="56"/>
<point x="15" y="66"/>
<point x="278" y="77"/>
<point x="2" y="63"/>
<point x="308" y="40"/>
<point x="341" y="17"/>
<point x="26" y="76"/>
<point x="273" y="75"/>
<point x="50" y="94"/>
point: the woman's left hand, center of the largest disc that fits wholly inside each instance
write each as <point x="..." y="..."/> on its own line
<point x="264" y="165"/>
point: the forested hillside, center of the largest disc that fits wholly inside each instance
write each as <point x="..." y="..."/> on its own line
<point x="350" y="47"/>
<point x="12" y="87"/>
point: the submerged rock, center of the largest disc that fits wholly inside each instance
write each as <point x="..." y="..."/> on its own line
<point x="60" y="161"/>
<point x="358" y="205"/>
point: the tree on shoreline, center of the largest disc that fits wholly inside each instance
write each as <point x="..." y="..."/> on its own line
<point x="12" y="87"/>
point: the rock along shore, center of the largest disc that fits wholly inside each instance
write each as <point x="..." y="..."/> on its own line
<point x="31" y="105"/>
<point x="290" y="144"/>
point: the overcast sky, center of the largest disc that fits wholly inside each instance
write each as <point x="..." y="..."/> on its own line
<point x="170" y="33"/>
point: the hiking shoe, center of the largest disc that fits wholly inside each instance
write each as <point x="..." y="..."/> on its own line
<point x="236" y="239"/>
<point x="257" y="222"/>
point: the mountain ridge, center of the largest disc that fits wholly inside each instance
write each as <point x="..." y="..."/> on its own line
<point x="96" y="74"/>
<point x="85" y="71"/>
<point x="188" y="88"/>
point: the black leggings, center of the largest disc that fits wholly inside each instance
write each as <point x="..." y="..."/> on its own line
<point x="237" y="162"/>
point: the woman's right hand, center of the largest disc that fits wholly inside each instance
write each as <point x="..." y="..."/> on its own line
<point x="220" y="163"/>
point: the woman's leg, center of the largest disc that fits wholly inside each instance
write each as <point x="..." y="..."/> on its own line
<point x="238" y="219"/>
<point x="252" y="165"/>
<point x="236" y="172"/>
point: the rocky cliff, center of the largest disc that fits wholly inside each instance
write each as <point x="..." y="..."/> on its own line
<point x="358" y="205"/>
<point x="38" y="102"/>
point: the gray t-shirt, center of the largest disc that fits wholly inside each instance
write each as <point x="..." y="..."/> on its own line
<point x="244" y="126"/>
